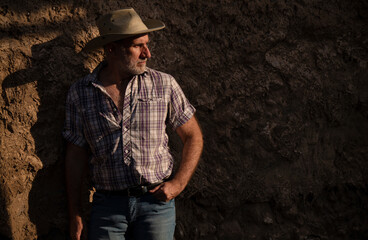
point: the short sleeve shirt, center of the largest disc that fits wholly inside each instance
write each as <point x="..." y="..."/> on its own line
<point x="127" y="148"/>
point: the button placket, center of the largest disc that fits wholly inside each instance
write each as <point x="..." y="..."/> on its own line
<point x="126" y="125"/>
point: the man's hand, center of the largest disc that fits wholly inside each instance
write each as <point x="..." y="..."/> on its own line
<point x="167" y="191"/>
<point x="77" y="232"/>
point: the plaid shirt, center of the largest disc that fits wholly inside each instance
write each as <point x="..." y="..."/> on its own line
<point x="131" y="147"/>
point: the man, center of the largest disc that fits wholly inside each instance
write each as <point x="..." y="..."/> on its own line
<point x="115" y="122"/>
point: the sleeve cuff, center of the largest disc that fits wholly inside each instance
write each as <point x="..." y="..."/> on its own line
<point x="74" y="139"/>
<point x="188" y="114"/>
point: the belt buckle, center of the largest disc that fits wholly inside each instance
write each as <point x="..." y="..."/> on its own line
<point x="137" y="191"/>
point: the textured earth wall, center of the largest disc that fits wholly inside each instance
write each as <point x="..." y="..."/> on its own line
<point x="281" y="91"/>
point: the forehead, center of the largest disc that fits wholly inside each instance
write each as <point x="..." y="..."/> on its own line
<point x="135" y="40"/>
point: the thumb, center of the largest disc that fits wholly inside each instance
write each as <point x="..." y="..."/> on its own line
<point x="156" y="188"/>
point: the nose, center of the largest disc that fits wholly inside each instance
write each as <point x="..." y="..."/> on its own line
<point x="145" y="52"/>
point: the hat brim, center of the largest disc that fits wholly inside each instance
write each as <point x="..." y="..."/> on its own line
<point x="100" y="41"/>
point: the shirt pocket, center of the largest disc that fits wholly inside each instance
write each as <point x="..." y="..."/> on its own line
<point x="148" y="119"/>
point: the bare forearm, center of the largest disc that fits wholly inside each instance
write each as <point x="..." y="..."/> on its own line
<point x="191" y="136"/>
<point x="190" y="157"/>
<point x="75" y="167"/>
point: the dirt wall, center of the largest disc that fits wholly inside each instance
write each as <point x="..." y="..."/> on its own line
<point x="281" y="91"/>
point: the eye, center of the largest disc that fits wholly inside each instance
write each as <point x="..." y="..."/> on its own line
<point x="138" y="46"/>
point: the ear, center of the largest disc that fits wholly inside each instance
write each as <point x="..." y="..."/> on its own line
<point x="109" y="47"/>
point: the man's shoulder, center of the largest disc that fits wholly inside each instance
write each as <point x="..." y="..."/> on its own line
<point x="79" y="89"/>
<point x="155" y="74"/>
<point x="81" y="83"/>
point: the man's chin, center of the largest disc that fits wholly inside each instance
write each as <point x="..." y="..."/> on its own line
<point x="140" y="69"/>
<point x="137" y="69"/>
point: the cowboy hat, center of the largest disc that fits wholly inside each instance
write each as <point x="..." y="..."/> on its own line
<point x="121" y="24"/>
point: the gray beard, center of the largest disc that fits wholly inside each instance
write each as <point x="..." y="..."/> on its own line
<point x="133" y="69"/>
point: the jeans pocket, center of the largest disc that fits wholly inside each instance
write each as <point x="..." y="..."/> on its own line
<point x="162" y="203"/>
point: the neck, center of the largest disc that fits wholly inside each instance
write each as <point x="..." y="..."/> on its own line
<point x="112" y="74"/>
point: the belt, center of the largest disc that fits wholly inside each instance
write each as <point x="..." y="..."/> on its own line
<point x="136" y="191"/>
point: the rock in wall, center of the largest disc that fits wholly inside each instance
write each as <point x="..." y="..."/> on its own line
<point x="281" y="93"/>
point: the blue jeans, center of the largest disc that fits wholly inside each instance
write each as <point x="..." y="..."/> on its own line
<point x="125" y="218"/>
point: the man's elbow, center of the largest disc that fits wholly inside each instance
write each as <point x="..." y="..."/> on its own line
<point x="196" y="138"/>
<point x="199" y="139"/>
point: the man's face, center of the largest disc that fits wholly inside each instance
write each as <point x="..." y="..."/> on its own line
<point x="134" y="55"/>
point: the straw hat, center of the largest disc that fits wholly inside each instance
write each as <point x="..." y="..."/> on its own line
<point x="121" y="24"/>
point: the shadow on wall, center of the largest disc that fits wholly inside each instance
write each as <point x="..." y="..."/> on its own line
<point x="54" y="67"/>
<point x="4" y="229"/>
